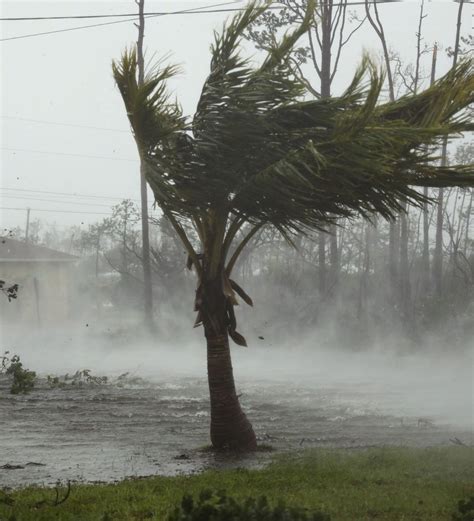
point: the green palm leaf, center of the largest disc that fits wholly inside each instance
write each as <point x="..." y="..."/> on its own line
<point x="257" y="150"/>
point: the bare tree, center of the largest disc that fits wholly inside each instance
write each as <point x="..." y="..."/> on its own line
<point x="426" y="221"/>
<point x="394" y="237"/>
<point x="438" y="253"/>
<point x="327" y="37"/>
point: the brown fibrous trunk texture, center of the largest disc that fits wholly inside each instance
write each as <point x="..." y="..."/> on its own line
<point x="230" y="428"/>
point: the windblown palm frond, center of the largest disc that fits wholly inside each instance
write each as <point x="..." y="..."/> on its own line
<point x="157" y="124"/>
<point x="258" y="151"/>
<point x="152" y="116"/>
<point x="442" y="103"/>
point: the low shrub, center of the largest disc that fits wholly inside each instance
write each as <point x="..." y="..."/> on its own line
<point x="219" y="507"/>
<point x="465" y="510"/>
<point x="23" y="380"/>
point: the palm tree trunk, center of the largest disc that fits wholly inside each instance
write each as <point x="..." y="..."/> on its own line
<point x="230" y="427"/>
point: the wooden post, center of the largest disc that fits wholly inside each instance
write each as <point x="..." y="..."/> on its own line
<point x="27" y="229"/>
<point x="146" y="264"/>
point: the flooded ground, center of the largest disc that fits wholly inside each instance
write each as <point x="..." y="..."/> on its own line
<point x="154" y="423"/>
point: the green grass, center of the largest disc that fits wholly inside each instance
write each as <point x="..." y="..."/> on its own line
<point x="377" y="484"/>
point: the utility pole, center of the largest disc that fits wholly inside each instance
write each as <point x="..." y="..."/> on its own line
<point x="27" y="229"/>
<point x="324" y="73"/>
<point x="147" y="286"/>
<point x="126" y="216"/>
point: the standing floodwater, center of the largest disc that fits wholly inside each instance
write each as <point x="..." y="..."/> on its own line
<point x="135" y="426"/>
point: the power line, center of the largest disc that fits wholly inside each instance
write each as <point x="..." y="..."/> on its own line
<point x="41" y="121"/>
<point x="201" y="10"/>
<point x="117" y="15"/>
<point x="196" y="10"/>
<point x="31" y="35"/>
<point x="26" y="198"/>
<point x="54" y="211"/>
<point x="68" y="154"/>
<point x="68" y="194"/>
<point x="74" y="17"/>
<point x="29" y="198"/>
<point x="63" y="201"/>
<point x="50" y="225"/>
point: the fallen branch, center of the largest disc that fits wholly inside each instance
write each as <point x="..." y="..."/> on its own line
<point x="57" y="501"/>
<point x="457" y="441"/>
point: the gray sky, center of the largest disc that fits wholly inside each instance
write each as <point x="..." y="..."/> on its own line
<point x="65" y="78"/>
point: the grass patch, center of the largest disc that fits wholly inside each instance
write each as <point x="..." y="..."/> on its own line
<point x="376" y="484"/>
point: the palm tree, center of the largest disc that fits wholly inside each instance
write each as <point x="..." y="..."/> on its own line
<point x="259" y="153"/>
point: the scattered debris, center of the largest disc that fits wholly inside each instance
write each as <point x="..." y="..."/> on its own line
<point x="314" y="440"/>
<point x="9" y="466"/>
<point x="425" y="422"/>
<point x="266" y="437"/>
<point x="182" y="457"/>
<point x="57" y="501"/>
<point x="457" y="441"/>
<point x="79" y="379"/>
<point x="9" y="290"/>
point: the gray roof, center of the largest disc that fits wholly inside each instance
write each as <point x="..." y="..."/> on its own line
<point x="12" y="250"/>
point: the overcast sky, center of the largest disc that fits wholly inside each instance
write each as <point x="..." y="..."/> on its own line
<point x="63" y="82"/>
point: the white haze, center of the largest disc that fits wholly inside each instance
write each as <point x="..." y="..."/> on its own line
<point x="387" y="378"/>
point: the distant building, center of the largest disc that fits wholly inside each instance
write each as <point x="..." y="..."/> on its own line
<point x="45" y="279"/>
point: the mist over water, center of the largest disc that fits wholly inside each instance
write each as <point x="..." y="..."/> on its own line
<point x="431" y="382"/>
<point x="314" y="375"/>
<point x="298" y="394"/>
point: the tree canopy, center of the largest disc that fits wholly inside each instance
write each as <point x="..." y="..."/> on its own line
<point x="260" y="150"/>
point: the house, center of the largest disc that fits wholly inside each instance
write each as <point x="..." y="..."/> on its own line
<point x="44" y="277"/>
